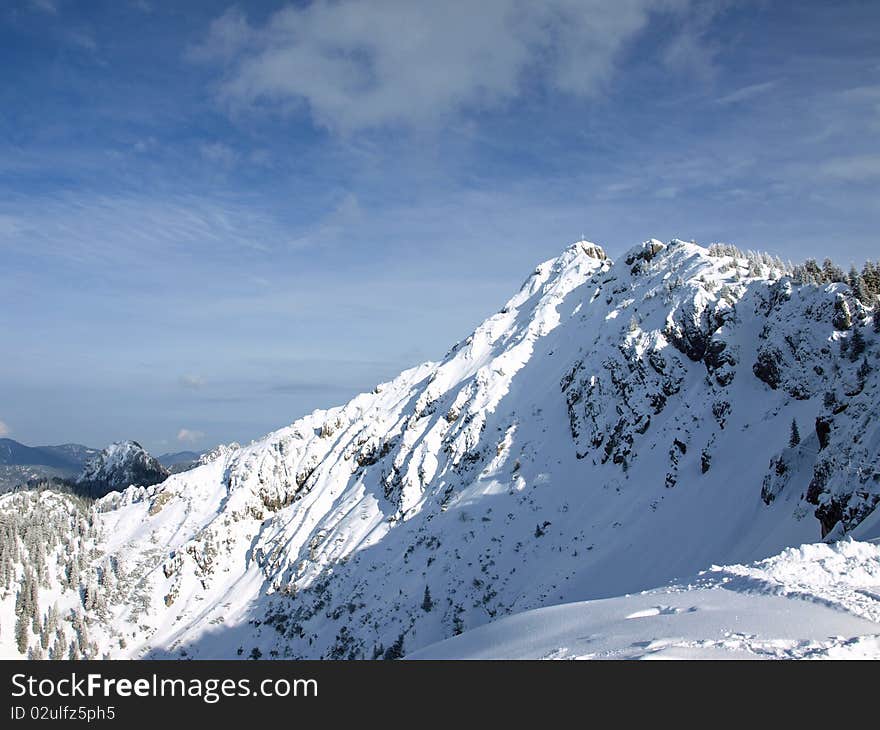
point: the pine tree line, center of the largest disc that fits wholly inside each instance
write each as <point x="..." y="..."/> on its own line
<point x="865" y="284"/>
<point x="756" y="261"/>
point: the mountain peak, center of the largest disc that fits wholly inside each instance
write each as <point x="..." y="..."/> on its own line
<point x="588" y="248"/>
<point x="121" y="464"/>
<point x="644" y="251"/>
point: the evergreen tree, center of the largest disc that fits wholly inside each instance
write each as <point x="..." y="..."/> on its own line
<point x="34" y="589"/>
<point x="871" y="280"/>
<point x="6" y="569"/>
<point x="20" y="602"/>
<point x="44" y="635"/>
<point x="832" y="272"/>
<point x="90" y="595"/>
<point x="395" y="651"/>
<point x="57" y="651"/>
<point x="427" y="603"/>
<point x="52" y="619"/>
<point x="812" y="272"/>
<point x="22" y="633"/>
<point x="857" y="284"/>
<point x="857" y="346"/>
<point x="457" y="625"/>
<point x="795" y="437"/>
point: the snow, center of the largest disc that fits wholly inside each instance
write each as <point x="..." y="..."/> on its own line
<point x="554" y="456"/>
<point x="814" y="602"/>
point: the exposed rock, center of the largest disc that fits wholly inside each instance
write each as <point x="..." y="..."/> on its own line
<point x="823" y="429"/>
<point x="767" y="367"/>
<point x="592" y="250"/>
<point x="647" y="251"/>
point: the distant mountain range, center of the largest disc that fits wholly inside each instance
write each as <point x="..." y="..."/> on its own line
<point x="69" y="457"/>
<point x="20" y="464"/>
<point x="178" y="461"/>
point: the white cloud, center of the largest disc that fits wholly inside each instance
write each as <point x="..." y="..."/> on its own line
<point x="852" y="169"/>
<point x="45" y="6"/>
<point x="189" y="436"/>
<point x="219" y="153"/>
<point x="194" y="382"/>
<point x="10" y="226"/>
<point x="343" y="221"/>
<point x="358" y="65"/>
<point x="145" y="145"/>
<point x="747" y="92"/>
<point x="868" y="93"/>
<point x="690" y="49"/>
<point x="82" y="39"/>
<point x="669" y="192"/>
<point x="4" y="429"/>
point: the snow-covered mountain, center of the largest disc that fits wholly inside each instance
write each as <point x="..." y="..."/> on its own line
<point x="615" y="426"/>
<point x="120" y="465"/>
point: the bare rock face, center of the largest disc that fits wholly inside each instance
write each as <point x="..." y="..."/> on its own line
<point x="647" y="251"/>
<point x="768" y="366"/>
<point x="592" y="250"/>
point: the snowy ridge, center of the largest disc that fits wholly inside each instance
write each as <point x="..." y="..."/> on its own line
<point x="614" y="427"/>
<point x="792" y="606"/>
<point x="845" y="575"/>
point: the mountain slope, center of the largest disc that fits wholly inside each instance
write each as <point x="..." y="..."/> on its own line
<point x="614" y="427"/>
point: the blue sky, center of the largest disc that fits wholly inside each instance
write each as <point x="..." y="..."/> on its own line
<point x="215" y="218"/>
